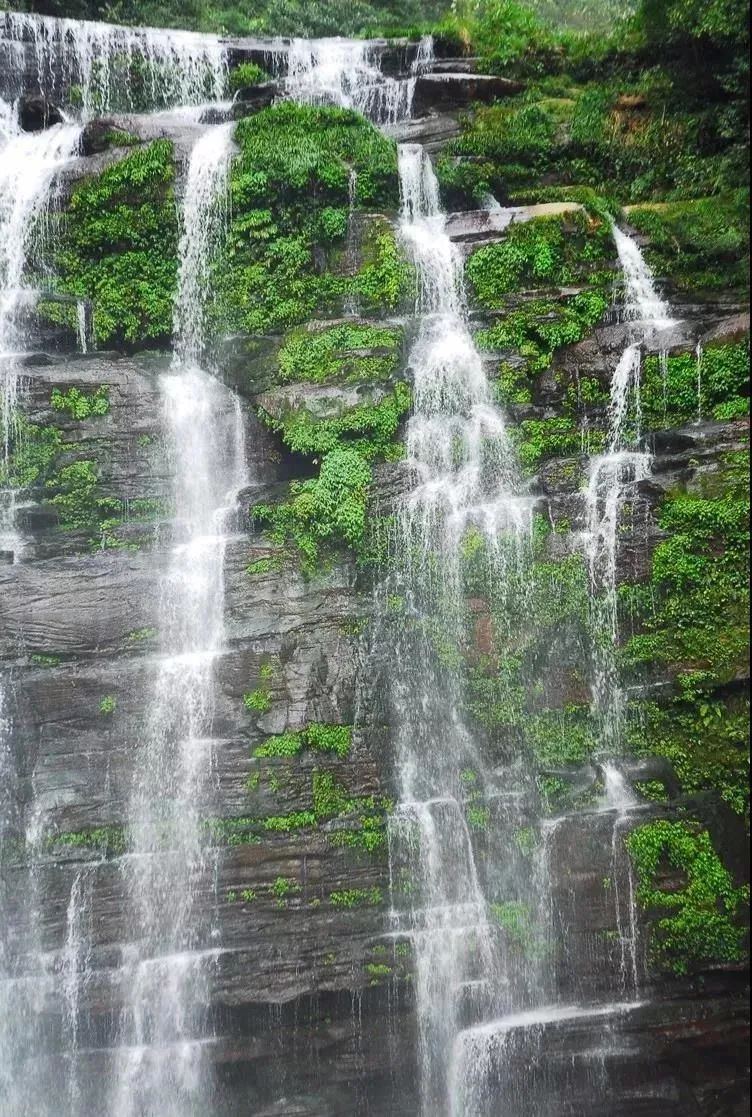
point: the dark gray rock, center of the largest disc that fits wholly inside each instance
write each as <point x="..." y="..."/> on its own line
<point x="35" y="113"/>
<point x="459" y="90"/>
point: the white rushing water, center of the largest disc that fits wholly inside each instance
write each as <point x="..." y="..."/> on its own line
<point x="613" y="485"/>
<point x="29" y="162"/>
<point x="464" y="477"/>
<point x="346" y="73"/>
<point x="614" y="478"/>
<point x="109" y="66"/>
<point x="641" y="302"/>
<point x="507" y="1057"/>
<point x="28" y="167"/>
<point x="165" y="976"/>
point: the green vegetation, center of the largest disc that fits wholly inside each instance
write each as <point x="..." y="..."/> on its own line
<point x="702" y="927"/>
<point x="325" y="738"/>
<point x="80" y="404"/>
<point x="367" y="428"/>
<point x="263" y="566"/>
<point x="654" y="109"/>
<point x="544" y="252"/>
<point x="257" y="700"/>
<point x="336" y="353"/>
<point x="515" y="919"/>
<point x="356" y="897"/>
<point x="327" y="510"/>
<point x="283" y="889"/>
<point x="678" y="390"/>
<point x="289" y="187"/>
<point x="245" y="75"/>
<point x="538" y="439"/>
<point x="119" y="247"/>
<point x="693" y="618"/>
<point x="108" y="704"/>
<point x="701" y="245"/>
<point x="257" y="17"/>
<point x="107" y="841"/>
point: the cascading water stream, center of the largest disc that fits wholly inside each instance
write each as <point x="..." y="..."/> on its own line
<point x="165" y="972"/>
<point x="612" y="476"/>
<point x="464" y="477"/>
<point x="109" y="66"/>
<point x="29" y="163"/>
<point x="346" y="73"/>
<point x="28" y="167"/>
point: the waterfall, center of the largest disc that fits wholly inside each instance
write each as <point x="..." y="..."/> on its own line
<point x="29" y="163"/>
<point x="346" y="73"/>
<point x="613" y="477"/>
<point x="103" y="64"/>
<point x="613" y="480"/>
<point x="464" y="476"/>
<point x="351" y="307"/>
<point x="641" y="301"/>
<point x="166" y="967"/>
<point x="28" y="167"/>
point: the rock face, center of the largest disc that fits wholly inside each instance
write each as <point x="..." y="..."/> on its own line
<point x="77" y="627"/>
<point x="311" y="1008"/>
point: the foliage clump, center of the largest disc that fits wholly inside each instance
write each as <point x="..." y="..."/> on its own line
<point x="289" y="188"/>
<point x="702" y="925"/>
<point x="119" y="246"/>
<point x="324" y="738"/>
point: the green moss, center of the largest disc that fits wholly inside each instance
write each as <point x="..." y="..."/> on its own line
<point x="325" y="738"/>
<point x="692" y="617"/>
<point x="386" y="279"/>
<point x="356" y="897"/>
<point x="538" y="439"/>
<point x="296" y="820"/>
<point x="283" y="889"/>
<point x="329" y="797"/>
<point x="263" y="566"/>
<point x="369" y="427"/>
<point x="544" y="252"/>
<point x="514" y="917"/>
<point x="369" y="834"/>
<point x="108" y="704"/>
<point x="702" y="925"/>
<point x="652" y="791"/>
<point x="706" y="740"/>
<point x="537" y="329"/>
<point x="335" y="353"/>
<point x="478" y="817"/>
<point x="108" y="841"/>
<point x="245" y="75"/>
<point x="118" y="246"/>
<point x="257" y="700"/>
<point x="287" y="183"/>
<point x="560" y="737"/>
<point x="702" y="244"/>
<point x="508" y="144"/>
<point x="139" y="635"/>
<point x="33" y="452"/>
<point x="696" y="613"/>
<point x="676" y="390"/>
<point x="81" y="404"/>
<point x="45" y="660"/>
<point x="116" y="137"/>
<point x="378" y="972"/>
<point x="327" y="510"/>
<point x="75" y="489"/>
